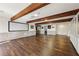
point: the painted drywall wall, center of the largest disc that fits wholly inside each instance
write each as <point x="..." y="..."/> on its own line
<point x="73" y="32"/>
<point x="56" y="28"/>
<point x="51" y="31"/>
<point x="62" y="28"/>
<point x="3" y="22"/>
<point x="15" y="35"/>
<point x="74" y="37"/>
<point x="78" y="37"/>
<point x="6" y="35"/>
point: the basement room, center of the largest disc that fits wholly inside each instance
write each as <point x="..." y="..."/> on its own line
<point x="39" y="29"/>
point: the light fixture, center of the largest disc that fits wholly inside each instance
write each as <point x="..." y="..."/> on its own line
<point x="35" y="15"/>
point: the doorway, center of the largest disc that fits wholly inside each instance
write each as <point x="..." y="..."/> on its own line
<point x="38" y="28"/>
<point x="45" y="30"/>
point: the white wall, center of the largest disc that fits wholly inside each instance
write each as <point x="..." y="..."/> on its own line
<point x="3" y="24"/>
<point x="51" y="31"/>
<point x="5" y="35"/>
<point x="42" y="29"/>
<point x="73" y="33"/>
<point x="59" y="28"/>
<point x="15" y="35"/>
<point x="63" y="28"/>
<point x="78" y="36"/>
<point x="74" y="37"/>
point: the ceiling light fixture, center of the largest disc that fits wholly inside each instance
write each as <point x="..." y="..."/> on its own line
<point x="35" y="15"/>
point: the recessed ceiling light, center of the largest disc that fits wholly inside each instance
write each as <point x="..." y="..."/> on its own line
<point x="35" y="15"/>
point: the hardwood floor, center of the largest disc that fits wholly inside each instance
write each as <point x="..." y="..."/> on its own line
<point x="59" y="45"/>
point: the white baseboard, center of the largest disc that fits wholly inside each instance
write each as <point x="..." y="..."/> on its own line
<point x="5" y="41"/>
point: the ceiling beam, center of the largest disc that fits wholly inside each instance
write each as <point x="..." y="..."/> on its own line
<point x="64" y="14"/>
<point x="29" y="9"/>
<point x="56" y="21"/>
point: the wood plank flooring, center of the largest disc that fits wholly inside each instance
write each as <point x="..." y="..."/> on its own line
<point x="58" y="45"/>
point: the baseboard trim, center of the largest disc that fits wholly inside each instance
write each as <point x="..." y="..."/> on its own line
<point x="6" y="41"/>
<point x="2" y="42"/>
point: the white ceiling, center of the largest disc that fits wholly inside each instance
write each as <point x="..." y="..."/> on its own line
<point x="51" y="9"/>
<point x="12" y="9"/>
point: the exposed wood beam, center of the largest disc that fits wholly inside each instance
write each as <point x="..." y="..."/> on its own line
<point x="64" y="14"/>
<point x="29" y="9"/>
<point x="56" y="21"/>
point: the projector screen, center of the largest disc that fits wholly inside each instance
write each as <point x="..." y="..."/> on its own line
<point x="17" y="26"/>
